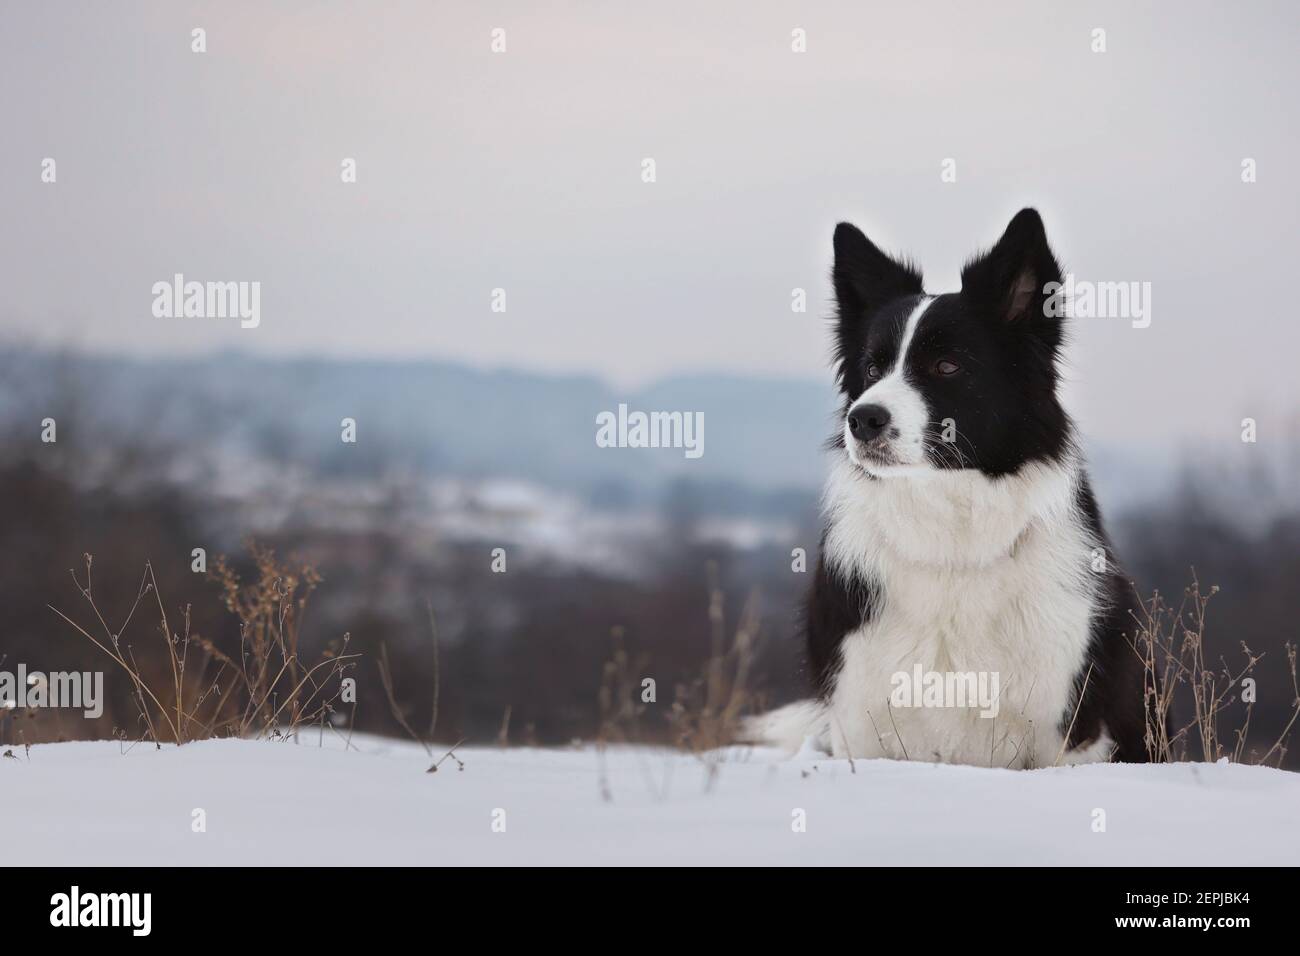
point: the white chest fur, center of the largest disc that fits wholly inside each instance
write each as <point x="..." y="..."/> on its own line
<point x="991" y="580"/>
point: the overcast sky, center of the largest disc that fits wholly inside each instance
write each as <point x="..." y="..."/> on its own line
<point x="522" y="170"/>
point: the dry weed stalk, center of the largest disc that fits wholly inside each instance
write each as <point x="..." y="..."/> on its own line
<point x="399" y="713"/>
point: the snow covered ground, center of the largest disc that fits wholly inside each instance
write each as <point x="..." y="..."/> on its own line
<point x="276" y="802"/>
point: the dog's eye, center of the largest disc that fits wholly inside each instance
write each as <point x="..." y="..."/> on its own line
<point x="947" y="367"/>
<point x="873" y="372"/>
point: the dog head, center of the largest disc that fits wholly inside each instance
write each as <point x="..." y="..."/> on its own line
<point x="965" y="380"/>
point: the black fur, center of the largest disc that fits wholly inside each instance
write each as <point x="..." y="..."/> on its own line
<point x="834" y="607"/>
<point x="864" y="279"/>
<point x="1114" y="693"/>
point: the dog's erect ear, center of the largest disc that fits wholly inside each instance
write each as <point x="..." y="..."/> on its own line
<point x="1008" y="281"/>
<point x="865" y="279"/>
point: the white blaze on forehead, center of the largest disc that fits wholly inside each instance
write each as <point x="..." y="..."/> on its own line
<point x="909" y="332"/>
<point x="908" y="413"/>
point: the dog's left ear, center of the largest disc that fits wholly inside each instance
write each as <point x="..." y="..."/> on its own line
<point x="1008" y="281"/>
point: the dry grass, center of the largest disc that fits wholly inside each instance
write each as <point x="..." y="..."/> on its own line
<point x="1171" y="645"/>
<point x="269" y="691"/>
<point x="192" y="689"/>
<point x="706" y="711"/>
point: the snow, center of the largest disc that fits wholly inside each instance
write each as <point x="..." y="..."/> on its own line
<point x="315" y="803"/>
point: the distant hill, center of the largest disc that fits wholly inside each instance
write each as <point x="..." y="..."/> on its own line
<point x="430" y="416"/>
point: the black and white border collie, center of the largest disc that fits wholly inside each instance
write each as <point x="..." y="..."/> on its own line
<point x="961" y="536"/>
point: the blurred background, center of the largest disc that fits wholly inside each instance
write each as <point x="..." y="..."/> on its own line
<point x="521" y="170"/>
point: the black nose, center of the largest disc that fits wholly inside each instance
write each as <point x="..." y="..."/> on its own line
<point x="868" y="421"/>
